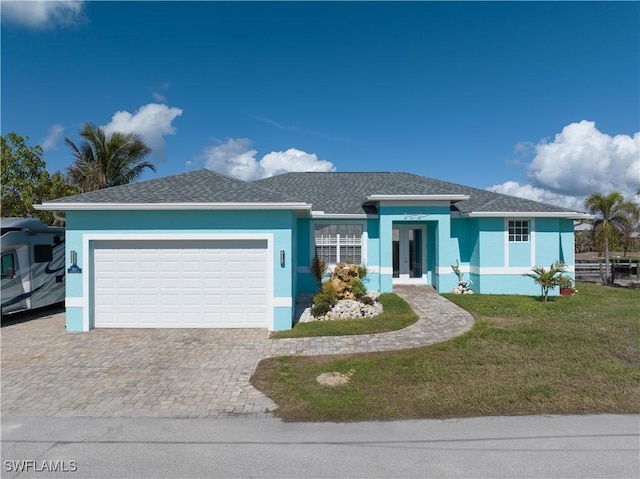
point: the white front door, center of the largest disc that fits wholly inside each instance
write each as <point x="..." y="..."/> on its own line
<point x="409" y="258"/>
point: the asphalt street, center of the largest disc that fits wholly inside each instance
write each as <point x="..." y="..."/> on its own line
<point x="600" y="446"/>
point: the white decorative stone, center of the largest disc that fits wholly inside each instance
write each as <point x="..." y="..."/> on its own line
<point x="346" y="309"/>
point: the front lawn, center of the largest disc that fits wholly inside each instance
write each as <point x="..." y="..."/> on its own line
<point x="573" y="355"/>
<point x="396" y="315"/>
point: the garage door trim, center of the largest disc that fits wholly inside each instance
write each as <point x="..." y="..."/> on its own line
<point x="88" y="240"/>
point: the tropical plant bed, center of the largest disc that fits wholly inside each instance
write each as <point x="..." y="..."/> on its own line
<point x="397" y="314"/>
<point x="574" y="355"/>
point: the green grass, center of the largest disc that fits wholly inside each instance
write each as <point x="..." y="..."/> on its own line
<point x="572" y="355"/>
<point x="397" y="315"/>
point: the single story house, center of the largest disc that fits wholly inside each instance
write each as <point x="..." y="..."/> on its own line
<point x="201" y="249"/>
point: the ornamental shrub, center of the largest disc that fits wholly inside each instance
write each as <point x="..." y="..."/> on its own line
<point x="328" y="294"/>
<point x="320" y="309"/>
<point x="358" y="288"/>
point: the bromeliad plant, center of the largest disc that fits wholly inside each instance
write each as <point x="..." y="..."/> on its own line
<point x="547" y="278"/>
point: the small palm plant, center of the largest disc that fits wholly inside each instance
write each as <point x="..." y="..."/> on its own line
<point x="547" y="278"/>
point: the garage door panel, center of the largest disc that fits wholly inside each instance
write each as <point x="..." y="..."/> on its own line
<point x="181" y="283"/>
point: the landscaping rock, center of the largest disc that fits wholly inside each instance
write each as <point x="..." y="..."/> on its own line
<point x="341" y="279"/>
<point x="346" y="309"/>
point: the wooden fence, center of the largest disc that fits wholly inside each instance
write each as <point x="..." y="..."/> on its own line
<point x="593" y="270"/>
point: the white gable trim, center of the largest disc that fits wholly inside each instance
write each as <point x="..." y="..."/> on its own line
<point x="528" y="214"/>
<point x="170" y="206"/>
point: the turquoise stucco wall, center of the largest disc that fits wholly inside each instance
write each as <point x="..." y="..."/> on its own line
<point x="551" y="240"/>
<point x="280" y="224"/>
<point x="477" y="243"/>
<point x="491" y="242"/>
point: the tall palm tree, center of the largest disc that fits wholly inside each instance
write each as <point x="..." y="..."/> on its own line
<point x="102" y="160"/>
<point x="614" y="216"/>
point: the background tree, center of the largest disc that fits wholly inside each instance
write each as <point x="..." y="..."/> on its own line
<point x="103" y="160"/>
<point x="26" y="181"/>
<point x="614" y="216"/>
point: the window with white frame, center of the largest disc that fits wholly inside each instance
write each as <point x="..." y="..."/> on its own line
<point x="518" y="231"/>
<point x="338" y="243"/>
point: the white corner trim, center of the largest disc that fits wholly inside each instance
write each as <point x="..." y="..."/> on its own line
<point x="532" y="240"/>
<point x="51" y="206"/>
<point x="386" y="270"/>
<point x="74" y="302"/>
<point x="282" y="302"/>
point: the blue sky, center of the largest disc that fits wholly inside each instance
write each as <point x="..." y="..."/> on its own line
<point x="540" y="100"/>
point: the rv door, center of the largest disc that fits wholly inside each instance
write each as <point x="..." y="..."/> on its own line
<point x="13" y="297"/>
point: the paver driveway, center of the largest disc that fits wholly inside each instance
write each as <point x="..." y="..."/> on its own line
<point x="175" y="372"/>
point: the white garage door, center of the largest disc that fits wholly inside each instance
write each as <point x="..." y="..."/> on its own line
<point x="180" y="284"/>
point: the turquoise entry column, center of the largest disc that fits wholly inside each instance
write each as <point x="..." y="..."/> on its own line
<point x="386" y="247"/>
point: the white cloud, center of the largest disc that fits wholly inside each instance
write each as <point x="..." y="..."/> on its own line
<point x="579" y="161"/>
<point x="152" y="122"/>
<point x="43" y="14"/>
<point x="235" y="158"/>
<point x="158" y="95"/>
<point x="55" y="133"/>
<point x="582" y="160"/>
<point x="529" y="192"/>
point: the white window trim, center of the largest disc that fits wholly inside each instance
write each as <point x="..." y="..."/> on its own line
<point x="521" y="220"/>
<point x="531" y="242"/>
<point x="363" y="245"/>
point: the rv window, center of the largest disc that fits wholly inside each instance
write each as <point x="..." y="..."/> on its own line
<point x="7" y="264"/>
<point x="42" y="253"/>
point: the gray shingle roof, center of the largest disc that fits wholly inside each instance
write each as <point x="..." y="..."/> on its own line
<point x="347" y="192"/>
<point x="202" y="186"/>
<point x="333" y="193"/>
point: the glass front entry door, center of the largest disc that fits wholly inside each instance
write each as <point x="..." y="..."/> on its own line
<point x="408" y="254"/>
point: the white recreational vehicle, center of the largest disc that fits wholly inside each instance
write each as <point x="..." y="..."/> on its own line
<point x="32" y="264"/>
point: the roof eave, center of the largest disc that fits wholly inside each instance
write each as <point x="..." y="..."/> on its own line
<point x="53" y="206"/>
<point x="341" y="216"/>
<point x="417" y="197"/>
<point x="574" y="215"/>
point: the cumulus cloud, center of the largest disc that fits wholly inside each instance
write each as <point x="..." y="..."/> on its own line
<point x="579" y="161"/>
<point x="152" y="122"/>
<point x="55" y="133"/>
<point x="235" y="157"/>
<point x="530" y="192"/>
<point x="39" y="15"/>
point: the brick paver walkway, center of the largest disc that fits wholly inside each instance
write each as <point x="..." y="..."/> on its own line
<point x="176" y="372"/>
